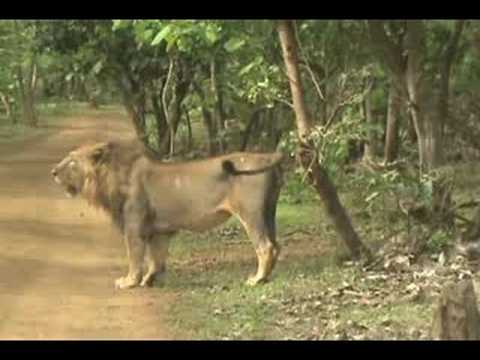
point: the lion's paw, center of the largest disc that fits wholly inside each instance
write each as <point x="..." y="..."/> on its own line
<point x="254" y="280"/>
<point x="125" y="282"/>
<point x="150" y="280"/>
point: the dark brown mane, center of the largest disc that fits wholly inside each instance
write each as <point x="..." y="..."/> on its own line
<point x="107" y="181"/>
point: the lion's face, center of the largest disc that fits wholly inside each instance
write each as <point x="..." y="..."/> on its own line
<point x="74" y="170"/>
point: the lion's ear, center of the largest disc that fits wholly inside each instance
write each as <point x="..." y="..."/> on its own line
<point x="101" y="152"/>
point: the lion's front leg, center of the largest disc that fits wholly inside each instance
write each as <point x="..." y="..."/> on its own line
<point x="135" y="252"/>
<point x="155" y="256"/>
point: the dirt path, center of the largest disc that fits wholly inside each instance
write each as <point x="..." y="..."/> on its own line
<point x="59" y="258"/>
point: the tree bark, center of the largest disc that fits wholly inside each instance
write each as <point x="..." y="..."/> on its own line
<point x="393" y="114"/>
<point x="408" y="74"/>
<point x="444" y="73"/>
<point x="307" y="152"/>
<point x="252" y="124"/>
<point x="419" y="98"/>
<point x="189" y="131"/>
<point x="218" y="111"/>
<point x="457" y="317"/>
<point x="133" y="98"/>
<point x="209" y="122"/>
<point x="371" y="143"/>
<point x="27" y="87"/>
<point x="8" y="109"/>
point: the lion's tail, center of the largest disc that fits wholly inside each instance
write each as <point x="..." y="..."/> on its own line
<point x="273" y="160"/>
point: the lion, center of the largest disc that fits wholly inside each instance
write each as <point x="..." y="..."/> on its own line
<point x="150" y="201"/>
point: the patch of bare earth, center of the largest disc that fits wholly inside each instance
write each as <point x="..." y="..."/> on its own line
<point x="58" y="257"/>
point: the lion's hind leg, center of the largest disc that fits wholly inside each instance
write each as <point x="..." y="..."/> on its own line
<point x="266" y="247"/>
<point x="155" y="259"/>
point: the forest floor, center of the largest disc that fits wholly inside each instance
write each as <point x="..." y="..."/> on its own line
<point x="59" y="259"/>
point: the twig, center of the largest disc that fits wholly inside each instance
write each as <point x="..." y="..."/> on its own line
<point x="314" y="159"/>
<point x="471" y="203"/>
<point x="465" y="220"/>
<point x="284" y="102"/>
<point x="296" y="231"/>
<point x="315" y="82"/>
<point x="307" y="64"/>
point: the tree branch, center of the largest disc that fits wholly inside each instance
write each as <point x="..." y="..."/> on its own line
<point x="165" y="108"/>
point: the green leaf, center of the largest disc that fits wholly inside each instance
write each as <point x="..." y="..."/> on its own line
<point x="247" y="68"/>
<point x="211" y="35"/>
<point x="372" y="196"/>
<point x="234" y="44"/>
<point x="119" y="24"/>
<point x="162" y="35"/>
<point x="147" y="35"/>
<point x="69" y="76"/>
<point x="97" y="67"/>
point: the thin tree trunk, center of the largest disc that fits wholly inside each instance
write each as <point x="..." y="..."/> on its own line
<point x="252" y="124"/>
<point x="444" y="72"/>
<point x="160" y="121"/>
<point x="218" y="112"/>
<point x="208" y="122"/>
<point x="27" y="96"/>
<point x="370" y="144"/>
<point x="8" y="109"/>
<point x="393" y="113"/>
<point x="211" y="131"/>
<point x="133" y="99"/>
<point x="189" y="131"/>
<point x="307" y="152"/>
<point x="171" y="137"/>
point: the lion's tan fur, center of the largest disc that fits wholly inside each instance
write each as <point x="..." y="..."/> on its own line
<point x="149" y="200"/>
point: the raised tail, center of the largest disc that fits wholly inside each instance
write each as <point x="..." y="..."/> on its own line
<point x="273" y="160"/>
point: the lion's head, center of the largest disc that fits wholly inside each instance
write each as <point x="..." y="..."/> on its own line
<point x="77" y="172"/>
<point x="98" y="171"/>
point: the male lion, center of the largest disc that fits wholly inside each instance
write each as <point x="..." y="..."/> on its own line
<point x="149" y="201"/>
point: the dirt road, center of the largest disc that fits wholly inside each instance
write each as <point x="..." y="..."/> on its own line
<point x="58" y="257"/>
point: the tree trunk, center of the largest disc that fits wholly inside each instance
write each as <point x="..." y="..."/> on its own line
<point x="218" y="111"/>
<point x="6" y="103"/>
<point x="408" y="74"/>
<point x="444" y="74"/>
<point x="426" y="123"/>
<point x="160" y="121"/>
<point x="211" y="131"/>
<point x="249" y="129"/>
<point x="393" y="114"/>
<point x="189" y="131"/>
<point x="133" y="98"/>
<point x="457" y="317"/>
<point x="307" y="152"/>
<point x="27" y="87"/>
<point x="209" y="122"/>
<point x="252" y="124"/>
<point x="371" y="143"/>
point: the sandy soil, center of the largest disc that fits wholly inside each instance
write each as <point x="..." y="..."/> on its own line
<point x="58" y="257"/>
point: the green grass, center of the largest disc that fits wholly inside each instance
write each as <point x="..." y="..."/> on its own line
<point x="214" y="303"/>
<point x="208" y="271"/>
